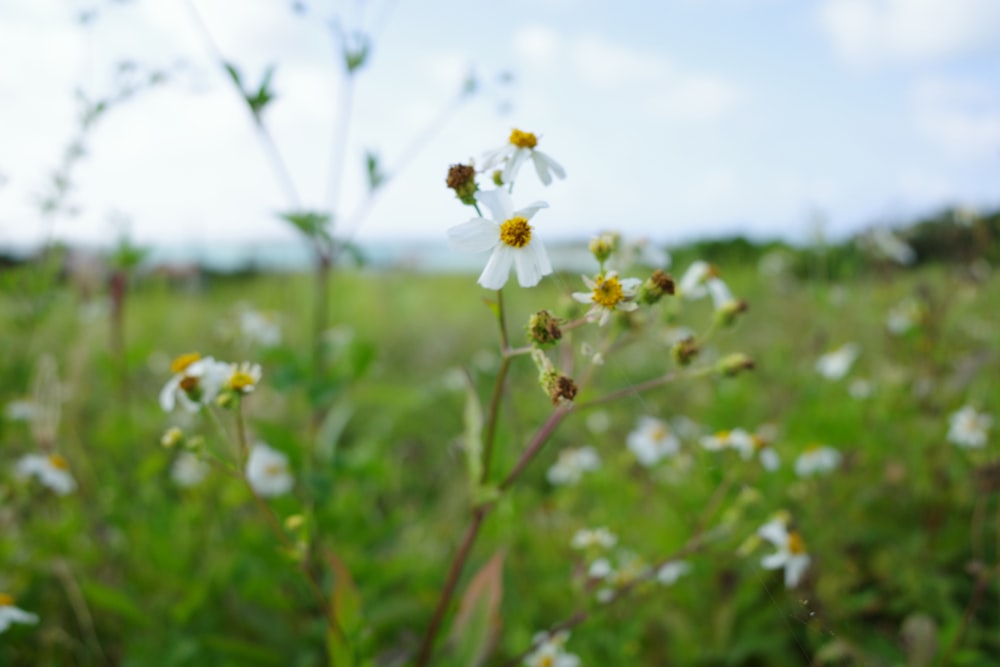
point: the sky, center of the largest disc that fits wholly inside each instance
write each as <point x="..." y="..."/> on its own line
<point x="675" y="119"/>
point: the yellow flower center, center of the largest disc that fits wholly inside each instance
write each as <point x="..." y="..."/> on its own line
<point x="722" y="436"/>
<point x="516" y="232"/>
<point x="796" y="545"/>
<point x="547" y="660"/>
<point x="523" y="139"/>
<point x="241" y="381"/>
<point x="812" y="448"/>
<point x="274" y="469"/>
<point x="759" y="443"/>
<point x="6" y="600"/>
<point x="181" y="363"/>
<point x="58" y="462"/>
<point x="608" y="292"/>
<point x="658" y="433"/>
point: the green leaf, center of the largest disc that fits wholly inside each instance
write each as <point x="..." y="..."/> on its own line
<point x="234" y="74"/>
<point x="477" y="624"/>
<point x="312" y="224"/>
<point x="376" y="177"/>
<point x="112" y="600"/>
<point x="346" y="613"/>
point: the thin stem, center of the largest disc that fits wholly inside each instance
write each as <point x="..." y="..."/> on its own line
<point x="536" y="444"/>
<point x="493" y="413"/>
<point x="451" y="581"/>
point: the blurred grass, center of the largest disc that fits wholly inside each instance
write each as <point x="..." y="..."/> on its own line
<point x="133" y="570"/>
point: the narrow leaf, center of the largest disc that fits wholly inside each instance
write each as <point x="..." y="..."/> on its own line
<point x="477" y="624"/>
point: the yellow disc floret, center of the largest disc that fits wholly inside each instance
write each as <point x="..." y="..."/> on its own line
<point x="58" y="462"/>
<point x="241" y="381"/>
<point x="181" y="363"/>
<point x="6" y="600"/>
<point x="523" y="139"/>
<point x="516" y="232"/>
<point x="796" y="545"/>
<point x="608" y="292"/>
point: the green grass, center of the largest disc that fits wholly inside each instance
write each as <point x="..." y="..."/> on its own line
<point x="131" y="569"/>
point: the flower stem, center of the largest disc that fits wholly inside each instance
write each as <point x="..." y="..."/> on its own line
<point x="493" y="413"/>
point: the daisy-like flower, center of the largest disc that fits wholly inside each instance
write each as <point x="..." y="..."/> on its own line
<point x="196" y="382"/>
<point x="591" y="538"/>
<point x="834" y="365"/>
<point x="260" y="328"/>
<point x="10" y="614"/>
<point x="509" y="236"/>
<point x="243" y="378"/>
<point x="21" y="410"/>
<point x="267" y="471"/>
<point x="550" y="651"/>
<point x="188" y="470"/>
<point x="571" y="465"/>
<point x="652" y="440"/>
<point x="717" y="441"/>
<point x="608" y="294"/>
<point x="751" y="444"/>
<point x="969" y="428"/>
<point x="693" y="282"/>
<point x="791" y="553"/>
<point x="520" y="147"/>
<point x="890" y="246"/>
<point x="671" y="571"/>
<point x="904" y="316"/>
<point x="52" y="471"/>
<point x="817" y="459"/>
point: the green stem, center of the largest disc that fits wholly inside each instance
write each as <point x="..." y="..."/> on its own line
<point x="493" y="414"/>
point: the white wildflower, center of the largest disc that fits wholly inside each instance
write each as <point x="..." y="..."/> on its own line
<point x="608" y="294"/>
<point x="188" y="470"/>
<point x="590" y="538"/>
<point x="969" y="428"/>
<point x="571" y="465"/>
<point x="52" y="471"/>
<point x="652" y="440"/>
<point x="835" y="365"/>
<point x="267" y="471"/>
<point x="10" y="614"/>
<point x="817" y="459"/>
<point x="521" y="146"/>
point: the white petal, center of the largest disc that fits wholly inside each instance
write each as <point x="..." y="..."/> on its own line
<point x="476" y="235"/>
<point x="530" y="210"/>
<point x="584" y="297"/>
<point x="794" y="569"/>
<point x="498" y="202"/>
<point x="774" y="561"/>
<point x="514" y="165"/>
<point x="543" y="164"/>
<point x="769" y="459"/>
<point x="774" y="532"/>
<point x="168" y="393"/>
<point x="541" y="256"/>
<point x="528" y="273"/>
<point x="494" y="157"/>
<point x="497" y="270"/>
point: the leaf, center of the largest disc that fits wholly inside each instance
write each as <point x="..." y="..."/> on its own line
<point x="477" y="624"/>
<point x="376" y="177"/>
<point x="234" y="74"/>
<point x="472" y="439"/>
<point x="112" y="600"/>
<point x="346" y="602"/>
<point x="312" y="224"/>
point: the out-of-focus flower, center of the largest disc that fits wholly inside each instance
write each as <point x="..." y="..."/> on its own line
<point x="652" y="440"/>
<point x="243" y="378"/>
<point x="750" y="444"/>
<point x="671" y="571"/>
<point x="608" y="294"/>
<point x="904" y="316"/>
<point x="196" y="382"/>
<point x="969" y="428"/>
<point x="817" y="459"/>
<point x="590" y="538"/>
<point x="860" y="389"/>
<point x="260" y="328"/>
<point x="550" y="651"/>
<point x="834" y="365"/>
<point x="572" y="463"/>
<point x="888" y="245"/>
<point x="693" y="284"/>
<point x="188" y="470"/>
<point x="267" y="471"/>
<point x="521" y="146"/>
<point x="791" y="553"/>
<point x="509" y="236"/>
<point x="52" y="471"/>
<point x="20" y="411"/>
<point x="10" y="614"/>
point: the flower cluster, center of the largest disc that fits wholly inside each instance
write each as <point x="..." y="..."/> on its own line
<point x="200" y="381"/>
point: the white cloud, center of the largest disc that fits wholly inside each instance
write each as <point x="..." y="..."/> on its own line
<point x="961" y="118"/>
<point x="875" y="31"/>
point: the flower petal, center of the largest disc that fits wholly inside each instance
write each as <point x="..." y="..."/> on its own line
<point x="497" y="270"/>
<point x="774" y="561"/>
<point x="514" y="165"/>
<point x="774" y="532"/>
<point x="476" y="235"/>
<point x="531" y="209"/>
<point x="794" y="569"/>
<point x="498" y="202"/>
<point x="543" y="161"/>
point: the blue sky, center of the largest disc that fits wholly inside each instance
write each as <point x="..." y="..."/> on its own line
<point x="674" y="119"/>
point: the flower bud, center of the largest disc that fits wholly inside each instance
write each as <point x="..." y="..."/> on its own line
<point x="727" y="314"/>
<point x="543" y="329"/>
<point x="734" y="364"/>
<point x="655" y="287"/>
<point x="497" y="177"/>
<point x="684" y="351"/>
<point x="172" y="437"/>
<point x="462" y="179"/>
<point x="603" y="246"/>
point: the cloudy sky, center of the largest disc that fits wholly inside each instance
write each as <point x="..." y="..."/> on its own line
<point x="674" y="119"/>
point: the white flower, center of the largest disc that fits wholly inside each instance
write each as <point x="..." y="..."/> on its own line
<point x="519" y="147"/>
<point x="748" y="444"/>
<point x="722" y="298"/>
<point x="671" y="571"/>
<point x="21" y="410"/>
<point x="600" y="569"/>
<point x="817" y="459"/>
<point x="834" y="365"/>
<point x="571" y="465"/>
<point x="718" y="441"/>
<point x="51" y="470"/>
<point x="267" y="471"/>
<point x="196" y="382"/>
<point x="260" y="328"/>
<point x="969" y="428"/>
<point x="587" y="538"/>
<point x="652" y="440"/>
<point x="791" y="553"/>
<point x="860" y="389"/>
<point x="550" y="651"/>
<point x="188" y="470"/>
<point x="692" y="283"/>
<point x="904" y="316"/>
<point x="892" y="247"/>
<point x="10" y="614"/>
<point x="607" y="295"/>
<point x="509" y="236"/>
<point x="243" y="378"/>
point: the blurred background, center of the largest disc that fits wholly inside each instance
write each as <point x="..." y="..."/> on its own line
<point x="676" y="120"/>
